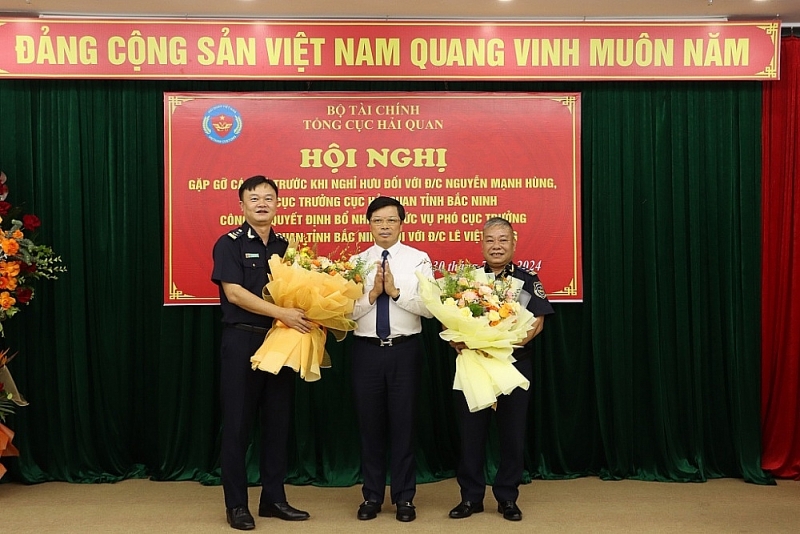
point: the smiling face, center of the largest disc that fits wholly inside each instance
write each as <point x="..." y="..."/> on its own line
<point x="385" y="225"/>
<point x="259" y="205"/>
<point x="498" y="246"/>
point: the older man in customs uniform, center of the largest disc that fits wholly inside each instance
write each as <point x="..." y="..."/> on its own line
<point x="498" y="245"/>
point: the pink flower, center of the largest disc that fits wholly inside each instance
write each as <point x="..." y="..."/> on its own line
<point x="470" y="296"/>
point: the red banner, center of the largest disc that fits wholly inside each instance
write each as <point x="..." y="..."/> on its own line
<point x="220" y="49"/>
<point x="453" y="159"/>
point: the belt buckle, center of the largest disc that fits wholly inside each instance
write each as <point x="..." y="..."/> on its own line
<point x="385" y="342"/>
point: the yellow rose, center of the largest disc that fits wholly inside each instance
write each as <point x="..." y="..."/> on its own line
<point x="9" y="246"/>
<point x="6" y="300"/>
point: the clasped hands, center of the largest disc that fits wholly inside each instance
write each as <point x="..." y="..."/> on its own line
<point x="384" y="282"/>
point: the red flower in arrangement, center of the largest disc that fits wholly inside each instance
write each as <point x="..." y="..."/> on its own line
<point x="5" y="207"/>
<point x="31" y="222"/>
<point x="24" y="295"/>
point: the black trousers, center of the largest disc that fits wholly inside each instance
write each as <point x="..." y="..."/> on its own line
<point x="385" y="390"/>
<point x="246" y="394"/>
<point x="512" y="412"/>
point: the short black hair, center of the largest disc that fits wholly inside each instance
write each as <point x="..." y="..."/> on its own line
<point x="382" y="202"/>
<point x="254" y="181"/>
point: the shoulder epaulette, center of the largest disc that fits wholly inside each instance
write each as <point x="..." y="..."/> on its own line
<point x="235" y="234"/>
<point x="526" y="270"/>
<point x="280" y="237"/>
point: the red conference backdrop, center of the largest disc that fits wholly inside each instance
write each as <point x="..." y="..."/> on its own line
<point x="453" y="159"/>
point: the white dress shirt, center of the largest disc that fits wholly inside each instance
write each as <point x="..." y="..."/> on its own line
<point x="405" y="312"/>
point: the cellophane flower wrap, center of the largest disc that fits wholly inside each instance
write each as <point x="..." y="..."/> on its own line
<point x="484" y="313"/>
<point x="326" y="291"/>
<point x="9" y="397"/>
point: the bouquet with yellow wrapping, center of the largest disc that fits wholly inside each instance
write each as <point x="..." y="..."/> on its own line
<point x="484" y="313"/>
<point x="326" y="291"/>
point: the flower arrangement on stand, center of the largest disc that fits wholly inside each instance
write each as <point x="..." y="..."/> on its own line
<point x="326" y="290"/>
<point x="484" y="313"/>
<point x="22" y="261"/>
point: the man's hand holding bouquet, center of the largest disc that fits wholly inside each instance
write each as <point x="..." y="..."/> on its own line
<point x="325" y="290"/>
<point x="483" y="313"/>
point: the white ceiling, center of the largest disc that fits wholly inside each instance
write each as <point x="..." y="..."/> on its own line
<point x="786" y="10"/>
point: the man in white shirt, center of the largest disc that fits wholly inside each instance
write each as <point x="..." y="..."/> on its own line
<point x="386" y="366"/>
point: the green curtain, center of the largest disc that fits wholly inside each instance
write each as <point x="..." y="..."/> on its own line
<point x="654" y="376"/>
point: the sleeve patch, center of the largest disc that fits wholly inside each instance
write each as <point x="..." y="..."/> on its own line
<point x="538" y="289"/>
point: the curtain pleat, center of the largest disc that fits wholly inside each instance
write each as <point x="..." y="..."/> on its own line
<point x="780" y="306"/>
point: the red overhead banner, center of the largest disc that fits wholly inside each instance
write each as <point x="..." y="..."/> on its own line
<point x="234" y="49"/>
<point x="454" y="160"/>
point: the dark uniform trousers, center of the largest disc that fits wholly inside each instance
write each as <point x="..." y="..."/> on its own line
<point x="385" y="385"/>
<point x="511" y="414"/>
<point x="245" y="392"/>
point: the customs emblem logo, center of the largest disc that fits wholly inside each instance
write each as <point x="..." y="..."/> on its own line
<point x="222" y="124"/>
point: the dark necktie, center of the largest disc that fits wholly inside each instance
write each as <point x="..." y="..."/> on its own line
<point x="382" y="324"/>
